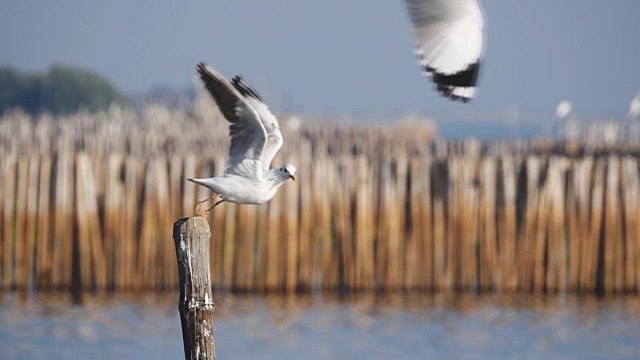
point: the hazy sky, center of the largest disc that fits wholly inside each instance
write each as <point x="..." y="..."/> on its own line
<point x="336" y="56"/>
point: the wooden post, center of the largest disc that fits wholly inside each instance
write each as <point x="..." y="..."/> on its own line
<point x="192" y="239"/>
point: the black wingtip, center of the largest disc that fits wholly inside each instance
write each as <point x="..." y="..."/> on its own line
<point x="447" y="91"/>
<point x="201" y="67"/>
<point x="244" y="88"/>
<point x="447" y="83"/>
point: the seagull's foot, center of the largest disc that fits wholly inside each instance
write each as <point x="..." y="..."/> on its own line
<point x="204" y="213"/>
<point x="211" y="208"/>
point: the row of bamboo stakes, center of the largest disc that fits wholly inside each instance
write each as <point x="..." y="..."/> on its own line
<point x="88" y="203"/>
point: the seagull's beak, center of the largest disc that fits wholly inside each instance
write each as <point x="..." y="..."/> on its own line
<point x="292" y="177"/>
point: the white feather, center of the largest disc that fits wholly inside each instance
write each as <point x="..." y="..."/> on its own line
<point x="449" y="39"/>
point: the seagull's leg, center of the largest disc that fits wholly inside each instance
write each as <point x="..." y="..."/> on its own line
<point x="213" y="196"/>
<point x="211" y="208"/>
<point x="216" y="204"/>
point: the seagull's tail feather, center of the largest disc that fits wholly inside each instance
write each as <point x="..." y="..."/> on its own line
<point x="206" y="182"/>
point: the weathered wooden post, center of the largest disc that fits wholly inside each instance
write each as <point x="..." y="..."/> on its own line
<point x="192" y="237"/>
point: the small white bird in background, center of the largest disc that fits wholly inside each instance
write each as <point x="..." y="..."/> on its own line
<point x="634" y="107"/>
<point x="255" y="140"/>
<point x="449" y="43"/>
<point x="563" y="109"/>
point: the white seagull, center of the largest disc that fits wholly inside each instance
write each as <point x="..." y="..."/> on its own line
<point x="255" y="140"/>
<point x="449" y="43"/>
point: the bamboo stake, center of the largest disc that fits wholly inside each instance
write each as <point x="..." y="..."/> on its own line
<point x="113" y="222"/>
<point x="439" y="230"/>
<point x="306" y="211"/>
<point x="9" y="204"/>
<point x="539" y="236"/>
<point x="63" y="218"/>
<point x="273" y="238"/>
<point x="44" y="248"/>
<point x="507" y="228"/>
<point x="592" y="270"/>
<point x="3" y="216"/>
<point x="192" y="241"/>
<point x="556" y="254"/>
<point x="241" y="261"/>
<point x="343" y="233"/>
<point x="134" y="170"/>
<point x="414" y="265"/>
<point x="22" y="208"/>
<point x="419" y="252"/>
<point x="489" y="264"/>
<point x="399" y="205"/>
<point x="631" y="204"/>
<point x="165" y="278"/>
<point x="364" y="266"/>
<point x="249" y="263"/>
<point x="219" y="217"/>
<point x="454" y="239"/>
<point x="91" y="250"/>
<point x="585" y="181"/>
<point x="31" y="224"/>
<point x="291" y="218"/>
<point x="526" y="273"/>
<point x="577" y="212"/>
<point x="384" y="226"/>
<point x="148" y="247"/>
<point x="471" y="207"/>
<point x="324" y="235"/>
<point x="230" y="245"/>
<point x="261" y="249"/>
<point x="613" y="273"/>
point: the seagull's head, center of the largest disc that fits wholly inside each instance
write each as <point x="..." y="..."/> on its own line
<point x="288" y="171"/>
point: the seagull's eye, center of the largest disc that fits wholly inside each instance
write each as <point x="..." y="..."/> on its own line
<point x="285" y="170"/>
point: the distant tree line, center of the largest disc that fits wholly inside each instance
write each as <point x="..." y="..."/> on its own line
<point x="61" y="90"/>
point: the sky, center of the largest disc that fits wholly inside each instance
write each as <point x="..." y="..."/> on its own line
<point x="339" y="57"/>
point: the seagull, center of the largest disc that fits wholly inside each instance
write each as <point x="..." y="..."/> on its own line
<point x="449" y="42"/>
<point x="255" y="139"/>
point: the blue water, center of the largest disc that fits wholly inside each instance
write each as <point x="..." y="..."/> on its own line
<point x="398" y="327"/>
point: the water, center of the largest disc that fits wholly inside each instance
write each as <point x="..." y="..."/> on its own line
<point x="367" y="327"/>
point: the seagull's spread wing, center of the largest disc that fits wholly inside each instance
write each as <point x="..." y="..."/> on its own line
<point x="449" y="42"/>
<point x="269" y="121"/>
<point x="248" y="135"/>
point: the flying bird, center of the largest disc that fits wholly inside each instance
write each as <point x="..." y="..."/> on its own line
<point x="449" y="42"/>
<point x="255" y="139"/>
